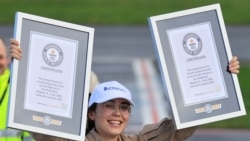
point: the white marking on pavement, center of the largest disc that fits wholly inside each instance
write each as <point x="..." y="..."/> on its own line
<point x="150" y="91"/>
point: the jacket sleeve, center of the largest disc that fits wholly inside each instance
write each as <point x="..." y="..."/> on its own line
<point x="166" y="131"/>
<point x="26" y="136"/>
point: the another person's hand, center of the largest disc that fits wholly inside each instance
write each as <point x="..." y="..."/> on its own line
<point x="14" y="50"/>
<point x="234" y="65"/>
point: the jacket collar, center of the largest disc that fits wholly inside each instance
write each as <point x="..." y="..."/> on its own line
<point x="94" y="136"/>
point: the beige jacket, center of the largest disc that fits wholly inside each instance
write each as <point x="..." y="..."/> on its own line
<point x="163" y="131"/>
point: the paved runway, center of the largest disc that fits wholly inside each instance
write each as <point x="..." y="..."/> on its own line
<point x="126" y="54"/>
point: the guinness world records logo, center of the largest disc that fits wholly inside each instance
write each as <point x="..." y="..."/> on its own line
<point x="52" y="55"/>
<point x="47" y="120"/>
<point x="192" y="44"/>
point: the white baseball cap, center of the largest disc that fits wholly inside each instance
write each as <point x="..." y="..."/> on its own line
<point x="110" y="90"/>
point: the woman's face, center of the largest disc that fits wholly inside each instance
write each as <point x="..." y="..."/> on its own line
<point x="111" y="117"/>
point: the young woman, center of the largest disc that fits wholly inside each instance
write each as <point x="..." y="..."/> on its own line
<point x="109" y="111"/>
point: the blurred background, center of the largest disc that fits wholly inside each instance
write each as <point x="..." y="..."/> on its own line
<point x="123" y="48"/>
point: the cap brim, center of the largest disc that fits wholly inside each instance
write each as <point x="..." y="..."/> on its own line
<point x="104" y="99"/>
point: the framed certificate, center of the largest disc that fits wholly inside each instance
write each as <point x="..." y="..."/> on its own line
<point x="50" y="84"/>
<point x="193" y="53"/>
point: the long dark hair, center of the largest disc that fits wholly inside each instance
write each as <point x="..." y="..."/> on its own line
<point x="90" y="122"/>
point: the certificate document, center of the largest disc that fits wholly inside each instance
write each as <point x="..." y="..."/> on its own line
<point x="196" y="61"/>
<point x="193" y="51"/>
<point x="51" y="69"/>
<point x="49" y="86"/>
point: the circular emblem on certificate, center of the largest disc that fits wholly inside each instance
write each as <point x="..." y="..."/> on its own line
<point x="52" y="55"/>
<point x="192" y="44"/>
<point x="208" y="108"/>
<point x="47" y="120"/>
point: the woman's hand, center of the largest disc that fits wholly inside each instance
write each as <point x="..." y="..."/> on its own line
<point x="14" y="50"/>
<point x="234" y="65"/>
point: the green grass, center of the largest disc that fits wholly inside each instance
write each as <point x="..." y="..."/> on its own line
<point x="243" y="121"/>
<point x="116" y="11"/>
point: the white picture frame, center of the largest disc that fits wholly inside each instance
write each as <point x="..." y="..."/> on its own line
<point x="193" y="54"/>
<point x="50" y="84"/>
